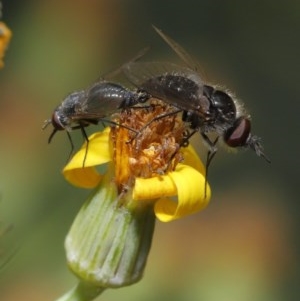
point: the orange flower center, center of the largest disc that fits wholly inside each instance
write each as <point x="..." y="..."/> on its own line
<point x="151" y="147"/>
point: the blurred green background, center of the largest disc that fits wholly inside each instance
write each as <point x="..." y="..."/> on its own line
<point x="245" y="245"/>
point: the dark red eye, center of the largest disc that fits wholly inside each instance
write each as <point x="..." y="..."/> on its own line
<point x="56" y="122"/>
<point x="238" y="134"/>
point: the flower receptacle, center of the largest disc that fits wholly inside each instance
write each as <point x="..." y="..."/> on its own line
<point x="109" y="241"/>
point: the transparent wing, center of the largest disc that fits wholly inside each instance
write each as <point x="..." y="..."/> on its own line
<point x="103" y="98"/>
<point x="140" y="72"/>
<point x="179" y="50"/>
<point x="173" y="84"/>
<point x="112" y="74"/>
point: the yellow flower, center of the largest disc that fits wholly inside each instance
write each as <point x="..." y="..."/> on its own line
<point x="148" y="173"/>
<point x="140" y="172"/>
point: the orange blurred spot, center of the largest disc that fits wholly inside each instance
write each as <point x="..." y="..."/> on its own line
<point x="5" y="36"/>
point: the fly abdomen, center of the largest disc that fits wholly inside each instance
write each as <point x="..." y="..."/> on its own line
<point x="112" y="97"/>
<point x="109" y="96"/>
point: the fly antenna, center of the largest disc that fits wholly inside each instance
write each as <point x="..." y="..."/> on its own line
<point x="254" y="143"/>
<point x="46" y="123"/>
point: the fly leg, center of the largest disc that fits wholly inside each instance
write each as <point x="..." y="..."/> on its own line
<point x="158" y="117"/>
<point x="72" y="145"/>
<point x="87" y="144"/>
<point x="210" y="155"/>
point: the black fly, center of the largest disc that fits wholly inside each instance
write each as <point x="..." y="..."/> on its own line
<point x="205" y="108"/>
<point x="91" y="106"/>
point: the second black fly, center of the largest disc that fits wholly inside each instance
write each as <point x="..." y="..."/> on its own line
<point x="92" y="106"/>
<point x="205" y="108"/>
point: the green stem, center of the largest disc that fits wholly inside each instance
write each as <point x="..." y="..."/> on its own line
<point x="82" y="292"/>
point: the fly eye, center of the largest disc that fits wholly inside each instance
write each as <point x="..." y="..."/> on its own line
<point x="238" y="134"/>
<point x="56" y="122"/>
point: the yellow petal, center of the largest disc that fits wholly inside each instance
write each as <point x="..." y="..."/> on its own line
<point x="187" y="181"/>
<point x="164" y="186"/>
<point x="98" y="153"/>
<point x="191" y="158"/>
<point x="191" y="195"/>
<point x="154" y="188"/>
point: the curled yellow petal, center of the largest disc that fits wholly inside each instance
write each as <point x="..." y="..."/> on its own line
<point x="191" y="195"/>
<point x="191" y="158"/>
<point x="98" y="153"/>
<point x="187" y="182"/>
<point x="84" y="177"/>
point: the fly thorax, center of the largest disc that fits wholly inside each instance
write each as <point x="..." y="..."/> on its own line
<point x="222" y="107"/>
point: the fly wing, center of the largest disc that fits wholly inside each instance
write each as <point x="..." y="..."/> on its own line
<point x="181" y="52"/>
<point x="113" y="74"/>
<point x="173" y="84"/>
<point x="105" y="98"/>
<point x="139" y="72"/>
